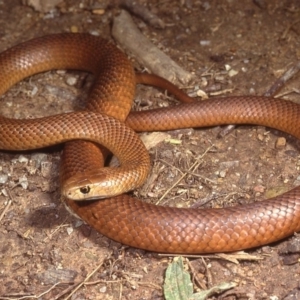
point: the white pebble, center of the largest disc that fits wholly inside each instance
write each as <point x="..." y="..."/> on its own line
<point x="4" y="192"/>
<point x="3" y="178"/>
<point x="232" y="73"/>
<point x="70" y="230"/>
<point x="205" y="43"/>
<point x="23" y="181"/>
<point x="22" y="159"/>
<point x="71" y="80"/>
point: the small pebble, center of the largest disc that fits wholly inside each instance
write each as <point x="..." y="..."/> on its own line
<point x="70" y="230"/>
<point x="71" y="80"/>
<point x="98" y="11"/>
<point x="232" y="73"/>
<point x="227" y="67"/>
<point x="94" y="32"/>
<point x="204" y="43"/>
<point x="280" y="143"/>
<point x="74" y="29"/>
<point x="260" y="137"/>
<point x="259" y="188"/>
<point x="4" y="192"/>
<point x="34" y="91"/>
<point x="201" y="94"/>
<point x="3" y="178"/>
<point x="61" y="72"/>
<point x="78" y="223"/>
<point x="222" y="174"/>
<point x="23" y="181"/>
<point x="22" y="159"/>
<point x="252" y="91"/>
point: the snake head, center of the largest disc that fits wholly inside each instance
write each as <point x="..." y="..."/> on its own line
<point x="79" y="188"/>
<point x="83" y="187"/>
<point x="103" y="183"/>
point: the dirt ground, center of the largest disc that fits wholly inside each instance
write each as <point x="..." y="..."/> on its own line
<point x="232" y="47"/>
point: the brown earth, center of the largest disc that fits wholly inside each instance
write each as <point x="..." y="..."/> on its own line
<point x="42" y="244"/>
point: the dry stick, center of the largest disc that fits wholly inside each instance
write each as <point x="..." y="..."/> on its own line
<point x="102" y="281"/>
<point x="65" y="291"/>
<point x="57" y="229"/>
<point x="194" y="166"/>
<point x="150" y="285"/>
<point x="31" y="296"/>
<point x="260" y="3"/>
<point x="289" y="28"/>
<point x="208" y="273"/>
<point x="143" y="12"/>
<point x="85" y="280"/>
<point x="126" y="33"/>
<point x="7" y="205"/>
<point x="196" y="278"/>
<point x="121" y="291"/>
<point x="208" y="199"/>
<point x="278" y="84"/>
<point x="5" y="209"/>
<point x="171" y="166"/>
<point x="220" y="256"/>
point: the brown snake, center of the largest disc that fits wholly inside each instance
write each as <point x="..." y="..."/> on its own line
<point x="123" y="218"/>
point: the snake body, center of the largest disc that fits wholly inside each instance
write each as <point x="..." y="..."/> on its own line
<point x="123" y="218"/>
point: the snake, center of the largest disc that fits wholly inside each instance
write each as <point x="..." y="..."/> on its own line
<point x="122" y="217"/>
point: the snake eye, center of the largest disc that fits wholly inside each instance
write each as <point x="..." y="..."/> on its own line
<point x="85" y="189"/>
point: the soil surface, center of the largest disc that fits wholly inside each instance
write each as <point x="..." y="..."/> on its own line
<point x="232" y="47"/>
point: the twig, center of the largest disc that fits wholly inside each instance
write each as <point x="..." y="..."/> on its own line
<point x="208" y="273"/>
<point x="49" y="236"/>
<point x="85" y="280"/>
<point x="278" y="84"/>
<point x="288" y="29"/>
<point x="130" y="38"/>
<point x="198" y="280"/>
<point x="143" y="12"/>
<point x="7" y="205"/>
<point x="5" y="209"/>
<point x="31" y="296"/>
<point x="194" y="166"/>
